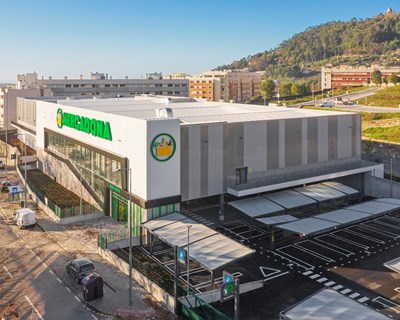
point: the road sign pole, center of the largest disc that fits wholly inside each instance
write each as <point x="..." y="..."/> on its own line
<point x="237" y="295"/>
<point x="176" y="279"/>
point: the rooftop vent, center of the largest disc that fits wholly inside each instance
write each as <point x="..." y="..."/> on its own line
<point x="164" y="113"/>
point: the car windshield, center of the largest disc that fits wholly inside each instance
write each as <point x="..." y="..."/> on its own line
<point x="87" y="267"/>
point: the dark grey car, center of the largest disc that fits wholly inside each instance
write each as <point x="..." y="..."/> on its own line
<point x="79" y="268"/>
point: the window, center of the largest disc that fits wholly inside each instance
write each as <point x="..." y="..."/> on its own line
<point x="76" y="85"/>
<point x="68" y="86"/>
<point x="107" y="85"/>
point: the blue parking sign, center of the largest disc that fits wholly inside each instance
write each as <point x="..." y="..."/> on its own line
<point x="14" y="190"/>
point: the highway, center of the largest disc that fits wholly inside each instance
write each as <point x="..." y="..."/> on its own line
<point x="29" y="289"/>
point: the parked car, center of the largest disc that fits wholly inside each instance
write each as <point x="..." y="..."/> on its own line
<point x="4" y="186"/>
<point x="24" y="218"/>
<point x="2" y="164"/>
<point x="80" y="268"/>
<point x="327" y="104"/>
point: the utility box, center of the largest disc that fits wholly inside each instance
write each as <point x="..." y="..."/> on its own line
<point x="92" y="287"/>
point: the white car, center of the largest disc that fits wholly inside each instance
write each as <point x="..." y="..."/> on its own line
<point x="327" y="104"/>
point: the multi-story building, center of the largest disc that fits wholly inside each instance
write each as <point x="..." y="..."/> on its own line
<point x="101" y="85"/>
<point x="348" y="76"/>
<point x="237" y="86"/>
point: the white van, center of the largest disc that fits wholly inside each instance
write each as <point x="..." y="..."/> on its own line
<point x="24" y="217"/>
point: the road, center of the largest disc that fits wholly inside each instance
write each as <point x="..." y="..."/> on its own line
<point x="28" y="286"/>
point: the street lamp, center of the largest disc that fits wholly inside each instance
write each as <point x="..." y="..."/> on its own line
<point x="188" y="258"/>
<point x="23" y="134"/>
<point x="130" y="230"/>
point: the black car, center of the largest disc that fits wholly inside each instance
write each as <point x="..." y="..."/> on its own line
<point x="79" y="268"/>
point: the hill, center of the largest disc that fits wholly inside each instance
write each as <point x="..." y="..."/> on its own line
<point x="373" y="40"/>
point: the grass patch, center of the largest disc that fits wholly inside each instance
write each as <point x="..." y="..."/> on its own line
<point x="384" y="133"/>
<point x="379" y="116"/>
<point x="388" y="97"/>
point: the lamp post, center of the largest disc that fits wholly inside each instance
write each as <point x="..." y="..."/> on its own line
<point x="188" y="258"/>
<point x="80" y="200"/>
<point x="130" y="230"/>
<point x="23" y="134"/>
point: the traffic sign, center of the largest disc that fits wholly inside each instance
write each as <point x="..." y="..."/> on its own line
<point x="227" y="287"/>
<point x="13" y="156"/>
<point x="182" y="256"/>
<point x="14" y="190"/>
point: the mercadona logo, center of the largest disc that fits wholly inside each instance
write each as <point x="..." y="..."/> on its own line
<point x="163" y="147"/>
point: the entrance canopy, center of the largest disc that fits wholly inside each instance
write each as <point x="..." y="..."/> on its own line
<point x="329" y="304"/>
<point x="208" y="247"/>
<point x="340" y="187"/>
<point x="256" y="207"/>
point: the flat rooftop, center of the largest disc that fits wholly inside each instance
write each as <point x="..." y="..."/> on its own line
<point x="190" y="111"/>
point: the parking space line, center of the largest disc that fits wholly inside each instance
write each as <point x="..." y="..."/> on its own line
<point x="33" y="307"/>
<point x="8" y="272"/>
<point x="345" y="291"/>
<point x="386" y="224"/>
<point x="294" y="258"/>
<point x="350" y="252"/>
<point x="320" y="256"/>
<point x="387" y="303"/>
<point x="361" y="235"/>
<point x="357" y="244"/>
<point x="384" y="233"/>
<point x="321" y="245"/>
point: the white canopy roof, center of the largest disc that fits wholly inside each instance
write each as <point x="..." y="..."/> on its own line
<point x="207" y="246"/>
<point x="308" y="225"/>
<point x="289" y="199"/>
<point x="256" y="207"/>
<point x="389" y="200"/>
<point x="277" y="219"/>
<point x="217" y="251"/>
<point x="320" y="192"/>
<point x="343" y="216"/>
<point x="341" y="187"/>
<point x="328" y="304"/>
<point x="375" y="207"/>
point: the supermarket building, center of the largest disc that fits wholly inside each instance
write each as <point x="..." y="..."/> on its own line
<point x="178" y="149"/>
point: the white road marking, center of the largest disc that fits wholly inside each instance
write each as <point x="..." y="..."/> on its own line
<point x="8" y="272"/>
<point x="306" y="273"/>
<point x="276" y="276"/>
<point x="68" y="289"/>
<point x="94" y="317"/>
<point x="59" y="280"/>
<point x="76" y="298"/>
<point x="362" y="300"/>
<point x="330" y="283"/>
<point x="314" y="276"/>
<point x="51" y="271"/>
<point x="354" y="295"/>
<point x="338" y="287"/>
<point x="38" y="258"/>
<point x="33" y="307"/>
<point x="322" y="280"/>
<point x="345" y="291"/>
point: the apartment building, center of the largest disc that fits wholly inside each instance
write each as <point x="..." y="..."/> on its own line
<point x="227" y="85"/>
<point x="349" y="76"/>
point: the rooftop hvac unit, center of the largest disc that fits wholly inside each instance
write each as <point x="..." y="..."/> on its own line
<point x="164" y="113"/>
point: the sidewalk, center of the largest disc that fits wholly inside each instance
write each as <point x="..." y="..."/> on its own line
<point x="80" y="240"/>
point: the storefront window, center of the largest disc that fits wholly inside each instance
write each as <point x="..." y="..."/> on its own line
<point x="94" y="166"/>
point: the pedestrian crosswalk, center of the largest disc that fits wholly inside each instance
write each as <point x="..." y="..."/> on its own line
<point x="337" y="287"/>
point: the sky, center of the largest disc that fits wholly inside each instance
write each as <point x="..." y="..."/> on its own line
<point x="133" y="37"/>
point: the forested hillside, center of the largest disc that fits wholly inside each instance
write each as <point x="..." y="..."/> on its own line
<point x="366" y="41"/>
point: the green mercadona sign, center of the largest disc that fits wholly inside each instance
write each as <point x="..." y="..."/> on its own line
<point x="97" y="128"/>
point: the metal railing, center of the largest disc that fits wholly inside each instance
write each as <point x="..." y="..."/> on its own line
<point x="104" y="238"/>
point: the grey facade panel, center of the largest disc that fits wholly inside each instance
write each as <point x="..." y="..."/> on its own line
<point x="255" y="144"/>
<point x="282" y="144"/>
<point x="293" y="142"/>
<point x="312" y="140"/>
<point x="215" y="159"/>
<point x="322" y="139"/>
<point x="194" y="162"/>
<point x="333" y="138"/>
<point x="185" y="163"/>
<point x="233" y="148"/>
<point x="204" y="161"/>
<point x="345" y="142"/>
<point x="273" y="145"/>
<point x="304" y="140"/>
<point x="356" y="123"/>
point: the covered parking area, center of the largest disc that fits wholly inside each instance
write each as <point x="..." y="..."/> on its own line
<point x="190" y="250"/>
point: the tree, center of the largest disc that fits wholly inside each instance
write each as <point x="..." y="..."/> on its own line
<point x="267" y="89"/>
<point x="286" y="89"/>
<point x="376" y="77"/>
<point x="393" y="78"/>
<point x="297" y="89"/>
